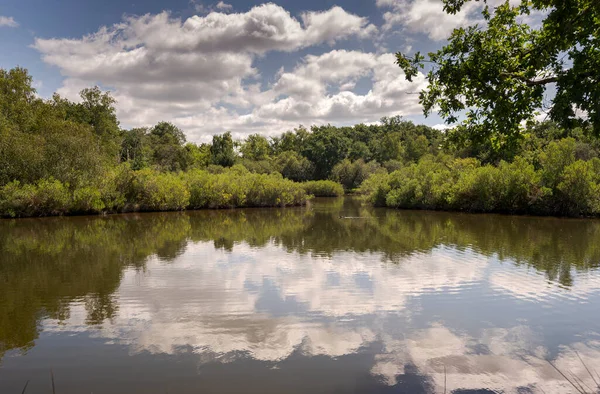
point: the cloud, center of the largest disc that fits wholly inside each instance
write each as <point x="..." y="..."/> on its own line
<point x="427" y="16"/>
<point x="341" y="304"/>
<point x="201" y="74"/>
<point x="8" y="21"/>
<point x="306" y="88"/>
<point x="226" y="319"/>
<point x="221" y="5"/>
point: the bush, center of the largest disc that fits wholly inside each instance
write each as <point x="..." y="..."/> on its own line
<point x="521" y="189"/>
<point x="579" y="193"/>
<point x="425" y="185"/>
<point x="154" y="191"/>
<point x="352" y="174"/>
<point x="273" y="190"/>
<point x="239" y="188"/>
<point x="47" y="197"/>
<point x="215" y="190"/>
<point x="87" y="200"/>
<point x="115" y="186"/>
<point x="259" y="166"/>
<point x="561" y="186"/>
<point x="478" y="190"/>
<point x="294" y="166"/>
<point x="323" y="188"/>
<point x="375" y="188"/>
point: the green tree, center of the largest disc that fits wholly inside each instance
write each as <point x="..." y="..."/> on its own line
<point x="416" y="148"/>
<point x="198" y="155"/>
<point x="16" y="98"/>
<point x="352" y="174"/>
<point x="135" y="148"/>
<point x="496" y="75"/>
<point x="168" y="152"/>
<point x="221" y="150"/>
<point x="98" y="110"/>
<point x="294" y="166"/>
<point x="255" y="147"/>
<point x="325" y="147"/>
<point x="291" y="141"/>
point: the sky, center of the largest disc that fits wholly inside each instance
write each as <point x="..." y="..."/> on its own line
<point x="241" y="66"/>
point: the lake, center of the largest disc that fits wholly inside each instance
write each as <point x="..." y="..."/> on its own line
<point x="334" y="297"/>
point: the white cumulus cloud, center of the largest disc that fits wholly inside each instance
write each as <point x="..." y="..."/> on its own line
<point x="201" y="72"/>
<point x="8" y="21"/>
<point x="221" y="5"/>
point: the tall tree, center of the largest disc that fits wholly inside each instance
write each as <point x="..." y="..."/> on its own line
<point x="255" y="147"/>
<point x="496" y="75"/>
<point x="325" y="147"/>
<point x="221" y="150"/>
<point x="16" y="97"/>
<point x="168" y="151"/>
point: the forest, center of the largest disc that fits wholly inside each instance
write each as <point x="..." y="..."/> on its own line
<point x="61" y="157"/>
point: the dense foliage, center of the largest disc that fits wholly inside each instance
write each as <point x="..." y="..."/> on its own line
<point x="552" y="181"/>
<point x="150" y="190"/>
<point x="60" y="157"/>
<point x="323" y="188"/>
<point x="498" y="72"/>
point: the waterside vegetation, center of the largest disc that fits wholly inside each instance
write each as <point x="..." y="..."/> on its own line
<point x="59" y="157"/>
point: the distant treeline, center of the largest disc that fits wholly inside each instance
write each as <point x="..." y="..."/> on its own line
<point x="59" y="157"/>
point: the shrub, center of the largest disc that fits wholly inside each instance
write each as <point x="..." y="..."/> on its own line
<point x="154" y="191"/>
<point x="477" y="190"/>
<point x="425" y="185"/>
<point x="375" y="188"/>
<point x="294" y="166"/>
<point x="579" y="193"/>
<point x="323" y="188"/>
<point x="273" y="190"/>
<point x="47" y="197"/>
<point x="237" y="187"/>
<point x="352" y="174"/>
<point x="392" y="165"/>
<point x="215" y="190"/>
<point x="555" y="158"/>
<point x="259" y="166"/>
<point x="87" y="199"/>
<point x="521" y="189"/>
<point x="115" y="186"/>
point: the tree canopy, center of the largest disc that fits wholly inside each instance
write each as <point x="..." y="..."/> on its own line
<point x="499" y="73"/>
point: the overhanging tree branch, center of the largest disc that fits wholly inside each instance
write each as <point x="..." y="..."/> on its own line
<point x="544" y="81"/>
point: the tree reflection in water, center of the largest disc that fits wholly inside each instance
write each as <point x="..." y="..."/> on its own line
<point x="271" y="283"/>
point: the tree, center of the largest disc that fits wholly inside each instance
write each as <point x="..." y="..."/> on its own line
<point x="221" y="150"/>
<point x="294" y="166"/>
<point x="325" y="147"/>
<point x="496" y="75"/>
<point x="135" y="148"/>
<point x="168" y="151"/>
<point x="199" y="155"/>
<point x="16" y="97"/>
<point x="291" y="141"/>
<point x="255" y="147"/>
<point x="353" y="174"/>
<point x="168" y="133"/>
<point x="98" y="110"/>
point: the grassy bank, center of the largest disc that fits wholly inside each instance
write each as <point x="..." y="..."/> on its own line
<point x="551" y="182"/>
<point x="125" y="190"/>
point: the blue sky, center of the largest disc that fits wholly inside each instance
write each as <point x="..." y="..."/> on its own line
<point x="243" y="66"/>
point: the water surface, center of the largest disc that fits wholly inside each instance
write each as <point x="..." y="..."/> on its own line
<point x="329" y="298"/>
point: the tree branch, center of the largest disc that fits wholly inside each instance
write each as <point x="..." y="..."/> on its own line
<point x="544" y="81"/>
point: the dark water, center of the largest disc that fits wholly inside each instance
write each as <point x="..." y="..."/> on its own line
<point x="298" y="301"/>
